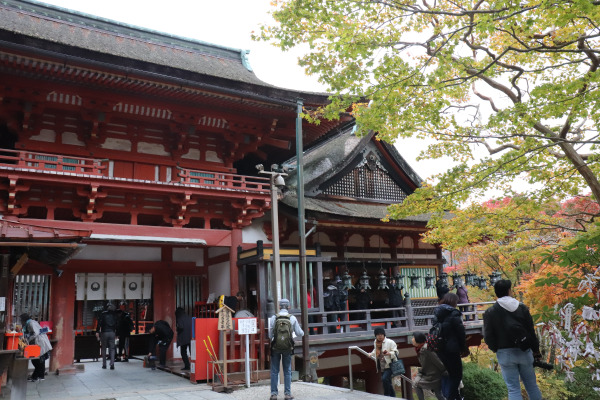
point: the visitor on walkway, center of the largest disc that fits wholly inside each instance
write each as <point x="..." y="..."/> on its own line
<point x="455" y="345"/>
<point x="282" y="327"/>
<point x="106" y="332"/>
<point x="183" y="324"/>
<point x="125" y="326"/>
<point x="384" y="352"/>
<point x="33" y="333"/>
<point x="430" y="374"/>
<point x="395" y="300"/>
<point x="508" y="331"/>
<point x="161" y="337"/>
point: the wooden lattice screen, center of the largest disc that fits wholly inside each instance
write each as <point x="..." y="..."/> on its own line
<point x="368" y="183"/>
<point x="188" y="290"/>
<point x="32" y="296"/>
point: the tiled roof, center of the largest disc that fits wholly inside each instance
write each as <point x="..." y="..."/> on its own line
<point x="71" y="28"/>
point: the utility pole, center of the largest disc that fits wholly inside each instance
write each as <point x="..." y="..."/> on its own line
<point x="302" y="237"/>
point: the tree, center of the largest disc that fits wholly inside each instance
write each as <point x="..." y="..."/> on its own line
<point x="518" y="78"/>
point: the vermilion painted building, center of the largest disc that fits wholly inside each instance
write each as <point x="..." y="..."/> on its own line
<point x="128" y="157"/>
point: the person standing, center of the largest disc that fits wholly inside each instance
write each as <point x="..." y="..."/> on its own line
<point x="503" y="321"/>
<point x="384" y="352"/>
<point x="282" y="326"/>
<point x="463" y="298"/>
<point x="455" y="343"/>
<point x="395" y="300"/>
<point x="161" y="337"/>
<point x="124" y="327"/>
<point x="363" y="302"/>
<point x="106" y="333"/>
<point x="331" y="302"/>
<point x="183" y="324"/>
<point x="431" y="371"/>
<point x="33" y="333"/>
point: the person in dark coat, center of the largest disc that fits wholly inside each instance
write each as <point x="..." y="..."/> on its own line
<point x="161" y="337"/>
<point x="463" y="298"/>
<point x="453" y="331"/>
<point x="124" y="328"/>
<point x="395" y="299"/>
<point x="441" y="288"/>
<point x="430" y="374"/>
<point x="331" y="303"/>
<point x="363" y="302"/>
<point x="106" y="332"/>
<point x="183" y="324"/>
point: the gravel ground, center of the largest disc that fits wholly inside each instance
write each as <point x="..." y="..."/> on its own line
<point x="302" y="391"/>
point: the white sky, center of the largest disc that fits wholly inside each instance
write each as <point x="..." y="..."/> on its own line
<point x="228" y="23"/>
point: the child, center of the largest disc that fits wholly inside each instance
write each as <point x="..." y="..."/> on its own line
<point x="431" y="371"/>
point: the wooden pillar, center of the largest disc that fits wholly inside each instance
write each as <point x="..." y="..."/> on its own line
<point x="62" y="313"/>
<point x="236" y="240"/>
<point x="163" y="300"/>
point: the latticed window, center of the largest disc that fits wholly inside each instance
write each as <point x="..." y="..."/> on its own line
<point x="367" y="183"/>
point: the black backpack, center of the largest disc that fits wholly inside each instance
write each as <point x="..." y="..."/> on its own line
<point x="435" y="339"/>
<point x="110" y="320"/>
<point x="515" y="329"/>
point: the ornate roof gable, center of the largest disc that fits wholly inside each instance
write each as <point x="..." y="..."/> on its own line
<point x="349" y="167"/>
<point x="368" y="180"/>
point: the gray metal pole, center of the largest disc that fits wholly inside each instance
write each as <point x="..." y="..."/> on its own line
<point x="276" y="259"/>
<point x="302" y="237"/>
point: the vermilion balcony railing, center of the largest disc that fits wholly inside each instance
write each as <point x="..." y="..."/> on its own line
<point x="69" y="165"/>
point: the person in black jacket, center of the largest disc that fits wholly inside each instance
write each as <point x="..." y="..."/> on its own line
<point x="183" y="324"/>
<point x="363" y="302"/>
<point x="455" y="344"/>
<point x="106" y="333"/>
<point x="501" y="322"/>
<point x="124" y="327"/>
<point x="161" y="337"/>
<point x="395" y="299"/>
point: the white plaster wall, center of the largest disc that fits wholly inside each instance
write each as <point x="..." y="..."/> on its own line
<point x="218" y="279"/>
<point x="191" y="255"/>
<point x="117" y="253"/>
<point x="152" y="148"/>
<point x="254" y="232"/>
<point x="71" y="138"/>
<point x="217" y="251"/>
<point x="45" y="135"/>
<point x="117" y="144"/>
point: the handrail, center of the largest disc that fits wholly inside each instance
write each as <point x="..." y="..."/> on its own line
<point x="350" y="363"/>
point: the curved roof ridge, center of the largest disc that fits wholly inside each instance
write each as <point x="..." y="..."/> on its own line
<point x="66" y="15"/>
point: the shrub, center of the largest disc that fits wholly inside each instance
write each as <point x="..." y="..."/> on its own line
<point x="583" y="387"/>
<point x="479" y="380"/>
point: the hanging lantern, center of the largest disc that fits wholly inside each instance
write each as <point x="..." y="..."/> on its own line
<point x="482" y="282"/>
<point x="382" y="280"/>
<point x="429" y="284"/>
<point x="495" y="277"/>
<point x="469" y="279"/>
<point x="347" y="279"/>
<point x="414" y="281"/>
<point x="364" y="281"/>
<point x="444" y="279"/>
<point x="399" y="281"/>
<point x="457" y="280"/>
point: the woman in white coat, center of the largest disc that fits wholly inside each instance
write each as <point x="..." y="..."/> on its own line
<point x="384" y="352"/>
<point x="35" y="334"/>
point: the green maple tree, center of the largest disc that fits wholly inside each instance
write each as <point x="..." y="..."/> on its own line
<point x="516" y="78"/>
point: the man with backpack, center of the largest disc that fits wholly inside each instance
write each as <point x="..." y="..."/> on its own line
<point x="282" y="326"/>
<point x="508" y="331"/>
<point x="106" y="332"/>
<point x="331" y="302"/>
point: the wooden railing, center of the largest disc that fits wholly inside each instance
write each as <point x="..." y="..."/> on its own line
<point x="411" y="318"/>
<point x="70" y="165"/>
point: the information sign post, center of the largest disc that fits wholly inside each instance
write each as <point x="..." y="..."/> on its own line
<point x="247" y="327"/>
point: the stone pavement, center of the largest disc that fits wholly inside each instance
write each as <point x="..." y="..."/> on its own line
<point x="130" y="381"/>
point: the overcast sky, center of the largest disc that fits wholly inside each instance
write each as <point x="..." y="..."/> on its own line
<point x="227" y="23"/>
